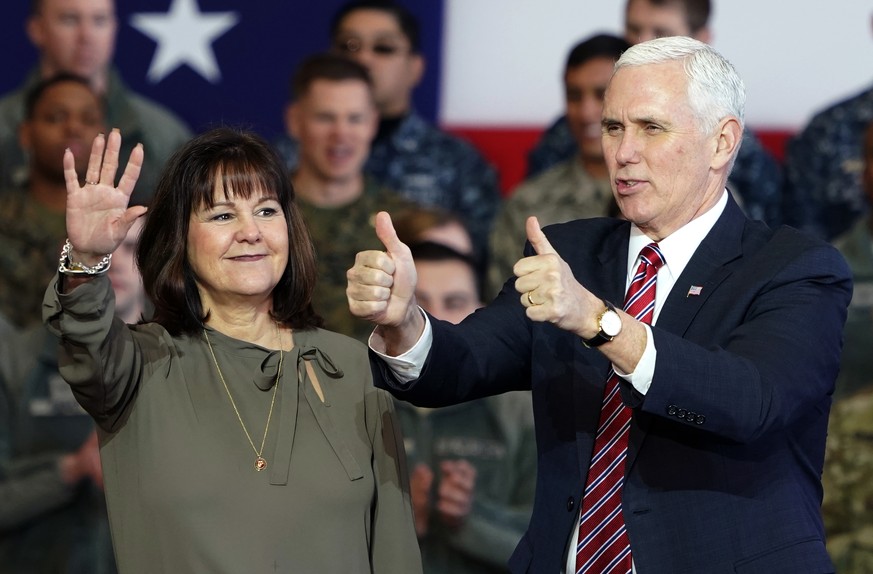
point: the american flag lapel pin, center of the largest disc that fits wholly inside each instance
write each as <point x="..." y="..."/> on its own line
<point x="694" y="290"/>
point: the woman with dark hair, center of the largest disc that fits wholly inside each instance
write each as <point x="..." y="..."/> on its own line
<point x="235" y="434"/>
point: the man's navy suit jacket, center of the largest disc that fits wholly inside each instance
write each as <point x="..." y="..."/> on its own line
<point x="726" y="448"/>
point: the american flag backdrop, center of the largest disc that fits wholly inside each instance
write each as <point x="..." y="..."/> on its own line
<point x="493" y="66"/>
<point x="219" y="60"/>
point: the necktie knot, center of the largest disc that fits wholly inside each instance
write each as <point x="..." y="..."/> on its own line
<point x="652" y="255"/>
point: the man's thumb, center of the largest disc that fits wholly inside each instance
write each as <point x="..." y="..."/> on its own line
<point x="386" y="233"/>
<point x="537" y="238"/>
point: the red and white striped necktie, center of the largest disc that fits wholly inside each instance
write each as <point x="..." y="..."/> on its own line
<point x="603" y="545"/>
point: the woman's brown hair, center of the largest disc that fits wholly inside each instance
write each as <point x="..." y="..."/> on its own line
<point x="247" y="164"/>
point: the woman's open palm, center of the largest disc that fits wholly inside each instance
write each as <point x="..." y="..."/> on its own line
<point x="98" y="216"/>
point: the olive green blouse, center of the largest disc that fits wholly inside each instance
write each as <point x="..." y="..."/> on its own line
<point x="181" y="486"/>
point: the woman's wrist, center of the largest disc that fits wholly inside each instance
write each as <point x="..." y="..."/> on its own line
<point x="73" y="262"/>
<point x="89" y="259"/>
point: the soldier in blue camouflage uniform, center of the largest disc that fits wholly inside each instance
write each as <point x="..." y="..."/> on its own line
<point x="756" y="179"/>
<point x="409" y="155"/>
<point x="848" y="498"/>
<point x="823" y="163"/>
<point x="856" y="245"/>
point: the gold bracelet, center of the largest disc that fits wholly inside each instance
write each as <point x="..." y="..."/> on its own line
<point x="69" y="267"/>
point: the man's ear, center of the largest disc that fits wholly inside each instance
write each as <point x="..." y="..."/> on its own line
<point x="374" y="122"/>
<point x="417" y="68"/>
<point x="704" y="35"/>
<point x="292" y="119"/>
<point x="24" y="138"/>
<point x="35" y="32"/>
<point x="728" y="139"/>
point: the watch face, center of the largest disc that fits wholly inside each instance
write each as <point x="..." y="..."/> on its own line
<point x="610" y="323"/>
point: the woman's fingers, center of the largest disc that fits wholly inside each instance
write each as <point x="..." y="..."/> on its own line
<point x="92" y="174"/>
<point x="110" y="158"/>
<point x="131" y="171"/>
<point x="70" y="176"/>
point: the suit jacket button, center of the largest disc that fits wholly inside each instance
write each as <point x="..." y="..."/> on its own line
<point x="681" y="413"/>
<point x="671" y="410"/>
<point x="700" y="419"/>
<point x="571" y="504"/>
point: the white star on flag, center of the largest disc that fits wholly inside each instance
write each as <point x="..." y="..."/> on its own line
<point x="184" y="35"/>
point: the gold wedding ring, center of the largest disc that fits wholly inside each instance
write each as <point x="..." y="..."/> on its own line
<point x="91" y="182"/>
<point x="529" y="300"/>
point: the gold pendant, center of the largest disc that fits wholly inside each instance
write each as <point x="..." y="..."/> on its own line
<point x="260" y="464"/>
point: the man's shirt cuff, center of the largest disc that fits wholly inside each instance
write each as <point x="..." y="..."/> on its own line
<point x="641" y="378"/>
<point x="407" y="366"/>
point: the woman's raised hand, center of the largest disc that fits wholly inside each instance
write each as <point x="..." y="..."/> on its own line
<point x="98" y="216"/>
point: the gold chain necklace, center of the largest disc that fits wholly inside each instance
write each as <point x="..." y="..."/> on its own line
<point x="260" y="461"/>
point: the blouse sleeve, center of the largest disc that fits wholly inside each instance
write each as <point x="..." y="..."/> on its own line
<point x="99" y="357"/>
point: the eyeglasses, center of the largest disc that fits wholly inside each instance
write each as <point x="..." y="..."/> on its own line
<point x="355" y="45"/>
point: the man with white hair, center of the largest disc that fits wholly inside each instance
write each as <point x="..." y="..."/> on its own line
<point x="683" y="431"/>
<point x="756" y="180"/>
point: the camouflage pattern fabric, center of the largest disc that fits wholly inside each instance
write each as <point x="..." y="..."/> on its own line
<point x="848" y="484"/>
<point x="431" y="168"/>
<point x="31" y="238"/>
<point x="856" y="363"/>
<point x="140" y="121"/>
<point x="823" y="166"/>
<point x="338" y="234"/>
<point x="562" y="193"/>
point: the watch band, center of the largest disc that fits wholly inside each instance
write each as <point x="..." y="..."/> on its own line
<point x="601" y="337"/>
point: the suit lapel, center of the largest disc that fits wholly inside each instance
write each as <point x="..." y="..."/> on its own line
<point x="707" y="268"/>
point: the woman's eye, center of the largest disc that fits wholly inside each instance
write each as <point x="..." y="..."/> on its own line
<point x="269" y="211"/>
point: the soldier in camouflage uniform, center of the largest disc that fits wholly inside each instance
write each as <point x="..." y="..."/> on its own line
<point x="472" y="466"/>
<point x="575" y="188"/>
<point x="856" y="245"/>
<point x="409" y="155"/>
<point x="55" y="28"/>
<point x="61" y="112"/>
<point x="334" y="119"/>
<point x="338" y="234"/>
<point x="848" y="470"/>
<point x="848" y="487"/>
<point x="53" y="517"/>
<point x="823" y="165"/>
<point x="756" y="179"/>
